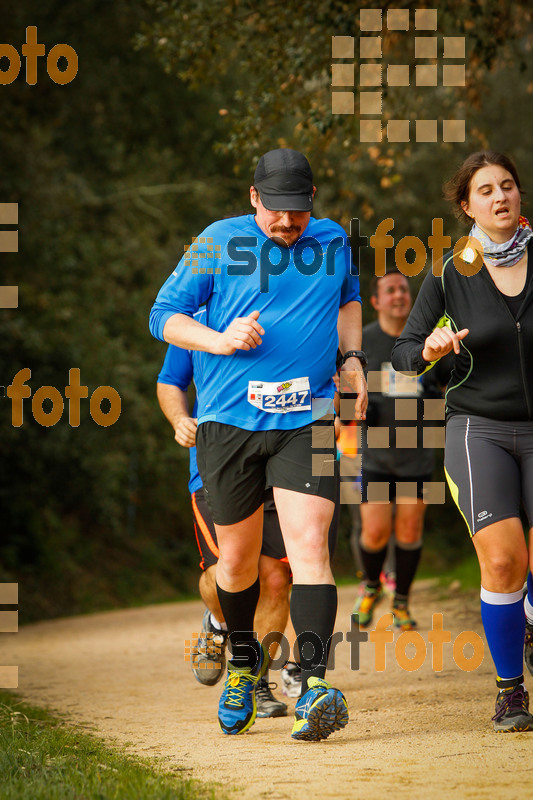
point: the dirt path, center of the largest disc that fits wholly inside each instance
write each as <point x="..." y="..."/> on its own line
<point x="414" y="734"/>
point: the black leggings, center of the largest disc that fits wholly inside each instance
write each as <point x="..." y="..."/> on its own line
<point x="489" y="468"/>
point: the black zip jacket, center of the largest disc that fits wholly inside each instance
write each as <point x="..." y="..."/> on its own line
<point x="493" y="373"/>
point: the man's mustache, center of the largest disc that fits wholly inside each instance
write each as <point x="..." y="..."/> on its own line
<point x="282" y="229"/>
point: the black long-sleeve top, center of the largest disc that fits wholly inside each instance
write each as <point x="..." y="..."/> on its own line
<point x="493" y="373"/>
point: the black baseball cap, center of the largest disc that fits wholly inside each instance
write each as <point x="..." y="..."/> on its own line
<point x="284" y="181"/>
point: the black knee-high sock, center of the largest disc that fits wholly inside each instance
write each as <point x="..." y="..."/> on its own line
<point x="313" y="612"/>
<point x="407" y="557"/>
<point x="373" y="561"/>
<point x="239" y="610"/>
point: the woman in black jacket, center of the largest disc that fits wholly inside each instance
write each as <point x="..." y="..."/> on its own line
<point x="480" y="305"/>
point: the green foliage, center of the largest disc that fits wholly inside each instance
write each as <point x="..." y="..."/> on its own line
<point x="42" y="759"/>
<point x="111" y="173"/>
<point x="282" y="55"/>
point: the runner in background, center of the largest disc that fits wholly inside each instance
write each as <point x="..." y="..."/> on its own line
<point x="388" y="503"/>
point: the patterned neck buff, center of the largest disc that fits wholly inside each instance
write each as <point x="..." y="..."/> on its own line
<point x="506" y="254"/>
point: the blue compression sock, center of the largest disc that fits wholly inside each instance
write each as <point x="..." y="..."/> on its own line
<point x="504" y="623"/>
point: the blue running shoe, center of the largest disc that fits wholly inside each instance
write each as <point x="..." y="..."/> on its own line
<point x="237" y="708"/>
<point x="320" y="711"/>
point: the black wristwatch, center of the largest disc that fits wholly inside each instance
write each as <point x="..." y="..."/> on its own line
<point x="356" y="354"/>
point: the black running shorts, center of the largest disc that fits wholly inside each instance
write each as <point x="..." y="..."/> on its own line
<point x="237" y="465"/>
<point x="206" y="537"/>
<point x="489" y="468"/>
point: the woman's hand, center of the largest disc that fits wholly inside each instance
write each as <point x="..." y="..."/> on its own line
<point x="441" y="341"/>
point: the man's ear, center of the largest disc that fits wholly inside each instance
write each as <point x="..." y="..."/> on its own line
<point x="374" y="302"/>
<point x="254" y="196"/>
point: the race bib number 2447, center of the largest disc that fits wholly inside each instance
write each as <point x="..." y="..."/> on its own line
<point x="282" y="397"/>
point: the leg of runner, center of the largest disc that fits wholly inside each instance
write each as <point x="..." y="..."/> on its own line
<point x="270" y="620"/>
<point x="291" y="674"/>
<point x="503" y="560"/>
<point x="409" y="523"/>
<point x="376" y="525"/>
<point x="355" y="536"/>
<point x="208" y="592"/>
<point x="237" y="573"/>
<point x="208" y="657"/>
<point x="305" y="521"/>
<point x="238" y="592"/>
<point x="272" y="609"/>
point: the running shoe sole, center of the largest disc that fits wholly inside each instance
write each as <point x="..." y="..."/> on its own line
<point x="509" y="725"/>
<point x="327" y="715"/>
<point x="515" y="728"/>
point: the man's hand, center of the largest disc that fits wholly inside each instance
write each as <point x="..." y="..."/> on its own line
<point x="244" y="333"/>
<point x="441" y="341"/>
<point x="357" y="383"/>
<point x="185" y="431"/>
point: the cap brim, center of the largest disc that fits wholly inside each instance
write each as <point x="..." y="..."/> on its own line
<point x="287" y="202"/>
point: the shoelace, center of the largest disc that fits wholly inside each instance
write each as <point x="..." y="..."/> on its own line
<point x="513" y="699"/>
<point x="236" y="687"/>
<point x="264" y="688"/>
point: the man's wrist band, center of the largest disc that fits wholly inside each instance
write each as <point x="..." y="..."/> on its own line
<point x="356" y="354"/>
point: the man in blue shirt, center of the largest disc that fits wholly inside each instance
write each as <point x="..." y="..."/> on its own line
<point x="209" y="658"/>
<point x="280" y="297"/>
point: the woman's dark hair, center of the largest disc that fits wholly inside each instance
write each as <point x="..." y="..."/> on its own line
<point x="457" y="188"/>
